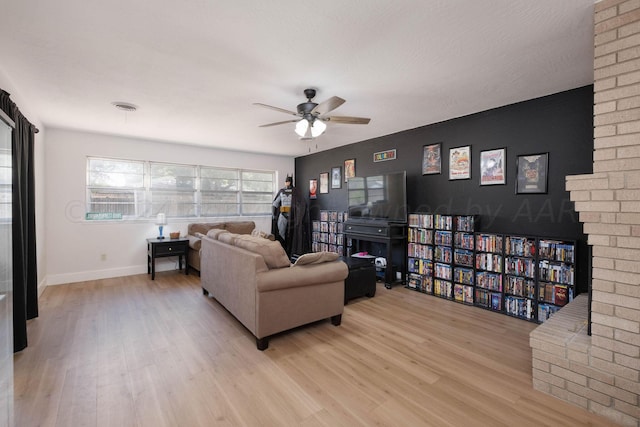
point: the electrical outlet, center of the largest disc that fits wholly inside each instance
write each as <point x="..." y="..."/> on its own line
<point x="103" y="257"/>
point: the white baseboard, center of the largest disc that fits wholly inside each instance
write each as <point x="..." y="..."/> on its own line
<point x="83" y="276"/>
<point x="41" y="286"/>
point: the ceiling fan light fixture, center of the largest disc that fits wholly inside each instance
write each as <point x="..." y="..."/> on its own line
<point x="301" y="127"/>
<point x="313" y="116"/>
<point x="317" y="128"/>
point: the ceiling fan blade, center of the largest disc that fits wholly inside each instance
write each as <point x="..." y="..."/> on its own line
<point x="282" y="110"/>
<point x="347" y="120"/>
<point x="328" y="105"/>
<point x="279" y="123"/>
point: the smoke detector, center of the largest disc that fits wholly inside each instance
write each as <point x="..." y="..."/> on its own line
<point x="125" y="106"/>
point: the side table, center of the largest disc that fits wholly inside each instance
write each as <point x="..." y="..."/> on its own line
<point x="159" y="248"/>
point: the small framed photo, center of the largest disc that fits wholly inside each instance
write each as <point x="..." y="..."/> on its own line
<point x="349" y="169"/>
<point x="313" y="188"/>
<point x="336" y="177"/>
<point x="460" y="162"/>
<point x="532" y="173"/>
<point x="492" y="167"/>
<point x="432" y="159"/>
<point x="324" y="182"/>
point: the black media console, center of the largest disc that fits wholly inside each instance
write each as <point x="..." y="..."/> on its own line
<point x="392" y="234"/>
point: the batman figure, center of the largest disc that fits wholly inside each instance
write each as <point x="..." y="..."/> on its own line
<point x="290" y="219"/>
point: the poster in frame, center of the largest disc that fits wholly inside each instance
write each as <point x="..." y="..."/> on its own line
<point x="336" y="177"/>
<point x="493" y="167"/>
<point x="324" y="182"/>
<point x="313" y="189"/>
<point x="432" y="159"/>
<point x="460" y="162"/>
<point x="349" y="169"/>
<point x="532" y="173"/>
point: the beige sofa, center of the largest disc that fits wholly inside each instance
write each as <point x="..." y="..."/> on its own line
<point x="253" y="279"/>
<point x="196" y="230"/>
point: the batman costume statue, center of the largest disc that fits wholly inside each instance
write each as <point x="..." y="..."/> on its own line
<point x="290" y="219"/>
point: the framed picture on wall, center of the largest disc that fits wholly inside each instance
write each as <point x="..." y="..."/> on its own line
<point x="432" y="159"/>
<point x="313" y="188"/>
<point x="492" y="167"/>
<point x="324" y="182"/>
<point x="460" y="162"/>
<point x="532" y="173"/>
<point x="349" y="169"/>
<point x="336" y="177"/>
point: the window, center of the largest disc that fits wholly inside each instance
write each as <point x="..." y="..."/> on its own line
<point x="219" y="192"/>
<point x="257" y="192"/>
<point x="6" y="178"/>
<point x="173" y="189"/>
<point x="115" y="186"/>
<point x="138" y="189"/>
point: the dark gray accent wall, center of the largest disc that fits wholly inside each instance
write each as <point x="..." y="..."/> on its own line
<point x="559" y="124"/>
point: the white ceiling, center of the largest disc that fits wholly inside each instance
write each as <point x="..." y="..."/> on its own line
<point x="194" y="67"/>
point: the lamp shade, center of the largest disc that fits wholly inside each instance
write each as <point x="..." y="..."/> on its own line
<point x="301" y="127"/>
<point x="317" y="128"/>
<point x="161" y="219"/>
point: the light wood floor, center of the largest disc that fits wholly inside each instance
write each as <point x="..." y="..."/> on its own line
<point x="134" y="352"/>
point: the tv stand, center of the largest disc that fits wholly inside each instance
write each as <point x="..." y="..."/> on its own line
<point x="392" y="234"/>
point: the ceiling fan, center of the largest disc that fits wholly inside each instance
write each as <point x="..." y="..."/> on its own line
<point x="311" y="116"/>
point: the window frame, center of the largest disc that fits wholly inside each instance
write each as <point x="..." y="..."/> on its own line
<point x="143" y="204"/>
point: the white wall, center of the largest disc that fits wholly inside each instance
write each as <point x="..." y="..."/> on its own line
<point x="75" y="247"/>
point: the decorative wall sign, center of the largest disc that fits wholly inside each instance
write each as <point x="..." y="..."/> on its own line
<point x="349" y="169"/>
<point x="492" y="167"/>
<point x="460" y="162"/>
<point x="532" y="173"/>
<point x="382" y="156"/>
<point x="336" y="177"/>
<point x="432" y="159"/>
<point x="324" y="182"/>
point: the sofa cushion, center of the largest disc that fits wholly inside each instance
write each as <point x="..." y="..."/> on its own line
<point x="272" y="251"/>
<point x="260" y="233"/>
<point x="214" y="233"/>
<point x="203" y="227"/>
<point x="226" y="237"/>
<point x="316" y="258"/>
<point x="240" y="227"/>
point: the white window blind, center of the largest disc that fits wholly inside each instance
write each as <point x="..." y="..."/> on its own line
<point x="140" y="189"/>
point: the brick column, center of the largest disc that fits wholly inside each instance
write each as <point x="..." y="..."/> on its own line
<point x="603" y="374"/>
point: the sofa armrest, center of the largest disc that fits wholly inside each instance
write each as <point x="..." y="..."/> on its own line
<point x="303" y="275"/>
<point x="195" y="242"/>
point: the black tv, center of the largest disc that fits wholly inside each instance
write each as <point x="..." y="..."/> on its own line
<point x="378" y="197"/>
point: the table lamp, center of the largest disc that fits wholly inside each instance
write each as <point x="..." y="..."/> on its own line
<point x="161" y="220"/>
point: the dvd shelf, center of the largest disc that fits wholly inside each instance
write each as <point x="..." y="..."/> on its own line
<point x="440" y="255"/>
<point x="520" y="276"/>
<point x="463" y="247"/>
<point x="527" y="277"/>
<point x="489" y="268"/>
<point x="327" y="233"/>
<point x="443" y="256"/>
<point x="420" y="253"/>
<point x="556" y="276"/>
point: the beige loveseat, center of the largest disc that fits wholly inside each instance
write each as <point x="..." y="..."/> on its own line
<point x="253" y="279"/>
<point x="196" y="230"/>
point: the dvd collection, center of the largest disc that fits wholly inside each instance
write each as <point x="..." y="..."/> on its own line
<point x="522" y="276"/>
<point x="327" y="234"/>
